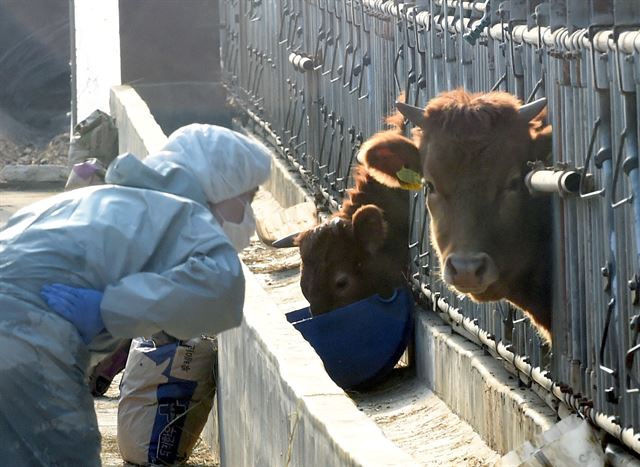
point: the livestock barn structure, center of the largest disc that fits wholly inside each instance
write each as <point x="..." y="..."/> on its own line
<point x="315" y="78"/>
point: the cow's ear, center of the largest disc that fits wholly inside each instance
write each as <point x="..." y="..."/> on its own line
<point x="392" y="160"/>
<point x="369" y="227"/>
<point x="535" y="113"/>
<point x="542" y="142"/>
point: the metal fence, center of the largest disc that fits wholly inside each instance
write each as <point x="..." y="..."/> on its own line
<point x="317" y="77"/>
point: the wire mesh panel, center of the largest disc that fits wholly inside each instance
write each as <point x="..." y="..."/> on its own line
<point x="317" y="77"/>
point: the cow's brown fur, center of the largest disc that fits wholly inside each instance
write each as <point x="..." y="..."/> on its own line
<point x="475" y="150"/>
<point x="363" y="249"/>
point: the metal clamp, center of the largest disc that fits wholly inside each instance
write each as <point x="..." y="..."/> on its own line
<point x="553" y="180"/>
<point x="301" y="62"/>
<point x="472" y="36"/>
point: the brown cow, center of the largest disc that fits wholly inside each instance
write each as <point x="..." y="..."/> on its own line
<point x="363" y="249"/>
<point x="492" y="237"/>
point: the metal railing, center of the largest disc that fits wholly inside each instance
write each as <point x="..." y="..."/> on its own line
<point x="317" y="77"/>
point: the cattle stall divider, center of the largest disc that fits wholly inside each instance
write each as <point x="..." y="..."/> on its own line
<point x="317" y="77"/>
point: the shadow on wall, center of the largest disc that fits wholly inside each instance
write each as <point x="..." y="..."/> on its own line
<point x="173" y="62"/>
<point x="34" y="64"/>
<point x="176" y="104"/>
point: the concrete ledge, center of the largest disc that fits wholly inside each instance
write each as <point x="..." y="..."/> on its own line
<point x="285" y="185"/>
<point x="477" y="387"/>
<point x="29" y="176"/>
<point x="277" y="406"/>
<point x="138" y="131"/>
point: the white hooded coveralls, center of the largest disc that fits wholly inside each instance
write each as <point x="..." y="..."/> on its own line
<point x="148" y="240"/>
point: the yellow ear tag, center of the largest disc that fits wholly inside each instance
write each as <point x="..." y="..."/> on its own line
<point x="409" y="179"/>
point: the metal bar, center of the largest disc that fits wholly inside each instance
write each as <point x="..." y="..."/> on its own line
<point x="470" y="330"/>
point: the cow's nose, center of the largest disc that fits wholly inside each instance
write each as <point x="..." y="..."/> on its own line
<point x="470" y="273"/>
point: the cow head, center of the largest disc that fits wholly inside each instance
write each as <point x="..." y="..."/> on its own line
<point x="491" y="235"/>
<point x="362" y="250"/>
<point x="342" y="261"/>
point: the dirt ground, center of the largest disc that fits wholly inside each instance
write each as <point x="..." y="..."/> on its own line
<point x="22" y="144"/>
<point x="54" y="152"/>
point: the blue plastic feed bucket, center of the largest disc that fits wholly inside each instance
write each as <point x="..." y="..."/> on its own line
<point x="360" y="343"/>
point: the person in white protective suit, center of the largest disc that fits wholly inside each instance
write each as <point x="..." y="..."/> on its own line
<point x="152" y="250"/>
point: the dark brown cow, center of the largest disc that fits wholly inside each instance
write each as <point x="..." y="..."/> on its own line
<point x="363" y="249"/>
<point x="492" y="237"/>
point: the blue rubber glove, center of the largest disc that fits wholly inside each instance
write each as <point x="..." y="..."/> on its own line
<point x="79" y="306"/>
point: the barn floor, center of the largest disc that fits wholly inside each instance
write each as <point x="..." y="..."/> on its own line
<point x="416" y="420"/>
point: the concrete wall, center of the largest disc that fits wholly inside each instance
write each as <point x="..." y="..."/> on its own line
<point x="173" y="61"/>
<point x="138" y="131"/>
<point x="477" y="387"/>
<point x="170" y="41"/>
<point x="178" y="104"/>
<point x="34" y="64"/>
<point x="271" y="380"/>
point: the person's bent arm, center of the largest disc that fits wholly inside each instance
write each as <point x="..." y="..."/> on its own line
<point x="204" y="295"/>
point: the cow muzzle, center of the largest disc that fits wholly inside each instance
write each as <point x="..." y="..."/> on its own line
<point x="470" y="273"/>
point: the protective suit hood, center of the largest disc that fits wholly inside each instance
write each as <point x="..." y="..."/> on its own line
<point x="205" y="163"/>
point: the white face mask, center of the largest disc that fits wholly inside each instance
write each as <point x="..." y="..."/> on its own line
<point x="240" y="234"/>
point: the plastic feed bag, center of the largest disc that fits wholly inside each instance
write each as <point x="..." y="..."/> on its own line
<point x="166" y="395"/>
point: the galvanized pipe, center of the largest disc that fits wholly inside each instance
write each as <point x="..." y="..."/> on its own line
<point x="627" y="42"/>
<point x="615" y="456"/>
